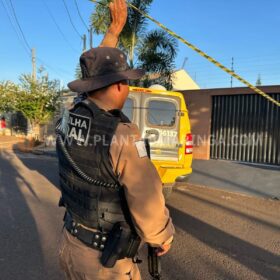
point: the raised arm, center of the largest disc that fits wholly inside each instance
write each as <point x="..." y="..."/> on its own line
<point x="118" y="10"/>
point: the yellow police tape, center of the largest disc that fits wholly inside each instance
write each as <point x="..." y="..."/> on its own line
<point x="203" y="54"/>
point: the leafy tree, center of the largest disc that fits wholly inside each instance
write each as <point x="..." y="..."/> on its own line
<point x="37" y="99"/>
<point x="8" y="91"/>
<point x="156" y="54"/>
<point x="154" y="50"/>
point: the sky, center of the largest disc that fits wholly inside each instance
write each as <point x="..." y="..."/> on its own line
<point x="247" y="31"/>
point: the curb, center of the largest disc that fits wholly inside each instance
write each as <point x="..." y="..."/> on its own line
<point x="213" y="188"/>
<point x="45" y="153"/>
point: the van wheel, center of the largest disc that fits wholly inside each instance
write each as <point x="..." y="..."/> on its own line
<point x="167" y="190"/>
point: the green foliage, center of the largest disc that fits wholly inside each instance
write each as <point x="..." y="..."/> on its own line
<point x="7" y="92"/>
<point x="36" y="100"/>
<point x="135" y="30"/>
<point x="155" y="51"/>
<point x="100" y="18"/>
<point x="156" y="54"/>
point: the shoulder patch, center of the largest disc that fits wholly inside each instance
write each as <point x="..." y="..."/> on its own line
<point x="141" y="148"/>
<point x="78" y="128"/>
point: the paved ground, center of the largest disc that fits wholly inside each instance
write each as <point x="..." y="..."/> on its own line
<point x="30" y="220"/>
<point x="252" y="179"/>
<point x="220" y="235"/>
<point x="7" y="142"/>
<point x="257" y="180"/>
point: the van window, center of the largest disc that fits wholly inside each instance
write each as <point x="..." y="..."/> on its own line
<point x="161" y="113"/>
<point x="128" y="108"/>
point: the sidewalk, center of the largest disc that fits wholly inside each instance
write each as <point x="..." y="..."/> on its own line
<point x="9" y="142"/>
<point x="256" y="180"/>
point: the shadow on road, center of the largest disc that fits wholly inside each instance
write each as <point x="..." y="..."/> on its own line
<point x="21" y="253"/>
<point x="253" y="257"/>
<point x="39" y="165"/>
<point x="229" y="210"/>
<point x="267" y="167"/>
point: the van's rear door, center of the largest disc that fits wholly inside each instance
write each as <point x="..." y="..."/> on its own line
<point x="160" y="122"/>
<point x="132" y="108"/>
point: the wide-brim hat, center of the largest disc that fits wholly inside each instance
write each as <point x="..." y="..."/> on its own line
<point x="102" y="67"/>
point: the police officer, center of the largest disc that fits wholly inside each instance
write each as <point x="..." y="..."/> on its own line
<point x="107" y="181"/>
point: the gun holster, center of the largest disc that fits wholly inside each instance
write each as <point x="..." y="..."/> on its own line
<point x="122" y="243"/>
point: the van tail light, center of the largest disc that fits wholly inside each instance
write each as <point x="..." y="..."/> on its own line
<point x="189" y="144"/>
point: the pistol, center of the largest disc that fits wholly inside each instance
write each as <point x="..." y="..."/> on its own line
<point x="121" y="243"/>
<point x="154" y="263"/>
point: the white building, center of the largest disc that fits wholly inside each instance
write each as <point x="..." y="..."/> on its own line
<point x="181" y="80"/>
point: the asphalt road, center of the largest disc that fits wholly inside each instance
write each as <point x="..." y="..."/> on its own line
<point x="220" y="235"/>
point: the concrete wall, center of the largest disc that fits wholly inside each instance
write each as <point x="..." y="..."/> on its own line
<point x="199" y="106"/>
<point x="199" y="103"/>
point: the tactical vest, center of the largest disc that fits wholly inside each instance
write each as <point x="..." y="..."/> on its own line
<point x="87" y="138"/>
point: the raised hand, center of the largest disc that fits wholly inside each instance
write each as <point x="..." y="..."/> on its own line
<point x="118" y="10"/>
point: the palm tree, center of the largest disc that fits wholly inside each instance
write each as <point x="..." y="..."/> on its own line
<point x="154" y="51"/>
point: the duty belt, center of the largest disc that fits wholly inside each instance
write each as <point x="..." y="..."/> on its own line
<point x="95" y="240"/>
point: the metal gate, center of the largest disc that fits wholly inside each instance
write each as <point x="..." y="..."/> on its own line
<point x="245" y="128"/>
<point x="18" y="123"/>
